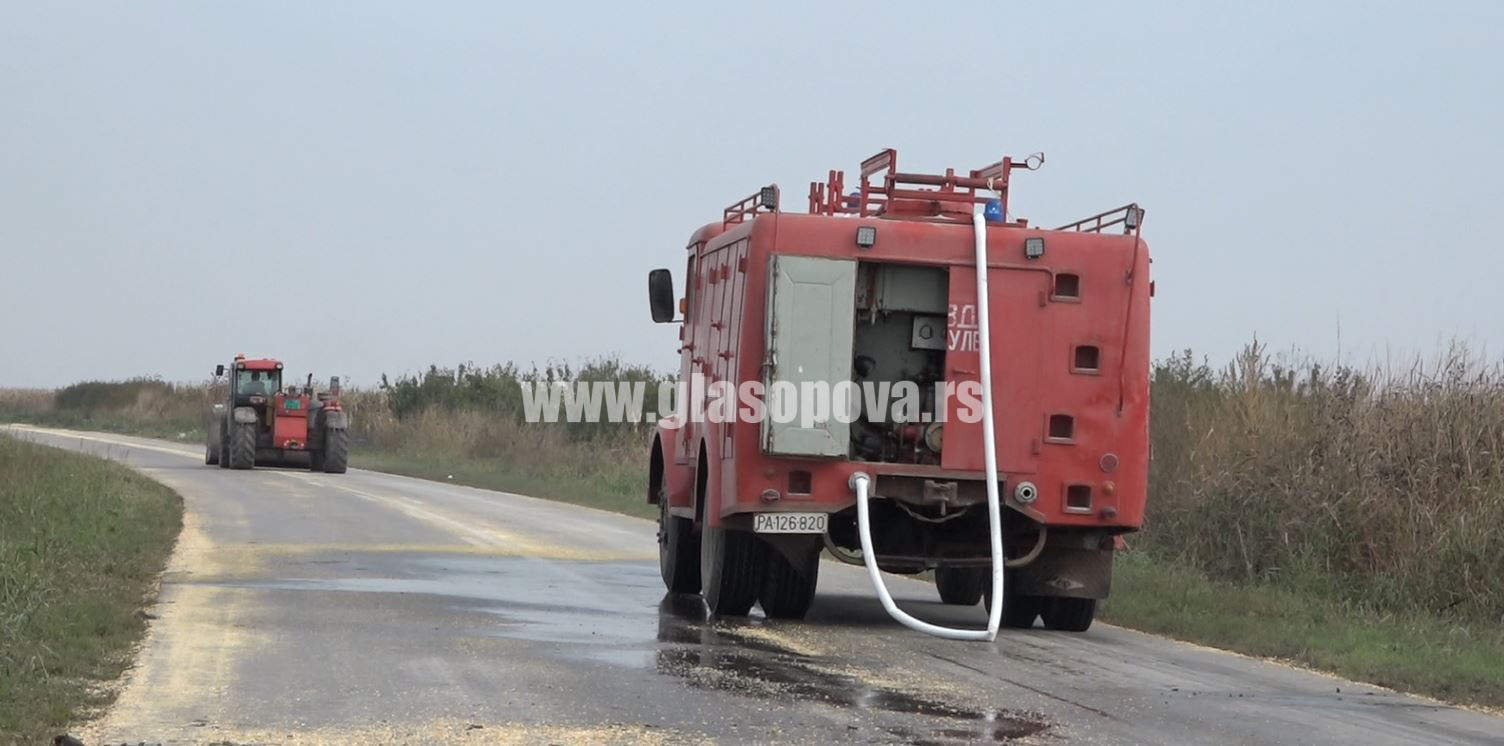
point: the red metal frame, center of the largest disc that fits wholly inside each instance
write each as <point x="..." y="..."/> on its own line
<point x="896" y="195"/>
<point x="1116" y="216"/>
<point x="750" y="207"/>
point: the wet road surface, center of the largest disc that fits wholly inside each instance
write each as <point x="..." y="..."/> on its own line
<point x="370" y="608"/>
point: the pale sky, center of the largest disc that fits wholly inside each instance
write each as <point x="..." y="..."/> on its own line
<point x="366" y="187"/>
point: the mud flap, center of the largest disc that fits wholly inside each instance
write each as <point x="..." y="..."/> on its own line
<point x="796" y="548"/>
<point x="1065" y="571"/>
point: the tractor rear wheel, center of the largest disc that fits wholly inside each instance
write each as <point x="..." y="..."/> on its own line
<point x="336" y="453"/>
<point x="962" y="586"/>
<point x="788" y="587"/>
<point x="678" y="549"/>
<point x="1068" y="614"/>
<point x="731" y="568"/>
<point x="211" y="454"/>
<point x="242" y="445"/>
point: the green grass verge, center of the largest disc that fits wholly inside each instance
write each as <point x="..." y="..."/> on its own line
<point x="1421" y="653"/>
<point x="616" y="490"/>
<point x="109" y="423"/>
<point x="81" y="543"/>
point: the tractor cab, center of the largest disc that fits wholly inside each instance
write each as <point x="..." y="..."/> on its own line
<point x="252" y="382"/>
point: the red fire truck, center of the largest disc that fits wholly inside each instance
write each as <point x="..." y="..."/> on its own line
<point x="878" y="286"/>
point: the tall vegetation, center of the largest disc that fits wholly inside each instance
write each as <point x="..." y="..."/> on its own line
<point x="1381" y="487"/>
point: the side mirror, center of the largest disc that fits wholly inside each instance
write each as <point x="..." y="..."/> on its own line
<point x="661" y="295"/>
<point x="219" y="370"/>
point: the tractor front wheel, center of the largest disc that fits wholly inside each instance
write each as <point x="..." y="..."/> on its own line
<point x="242" y="445"/>
<point x="336" y="453"/>
<point x="731" y="570"/>
<point x="211" y="454"/>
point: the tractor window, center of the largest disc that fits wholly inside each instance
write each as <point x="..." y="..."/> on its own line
<point x="257" y="382"/>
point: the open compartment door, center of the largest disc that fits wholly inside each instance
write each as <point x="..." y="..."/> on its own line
<point x="810" y="322"/>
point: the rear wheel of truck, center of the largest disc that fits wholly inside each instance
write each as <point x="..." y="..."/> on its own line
<point x="1068" y="614"/>
<point x="1019" y="610"/>
<point x="242" y="445"/>
<point x="788" y="587"/>
<point x="962" y="586"/>
<point x="336" y="453"/>
<point x="731" y="569"/>
<point x="678" y="549"/>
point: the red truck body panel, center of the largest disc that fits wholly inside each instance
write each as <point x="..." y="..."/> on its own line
<point x="1069" y="342"/>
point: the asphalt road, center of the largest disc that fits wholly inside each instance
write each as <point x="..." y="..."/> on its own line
<point x="369" y="608"/>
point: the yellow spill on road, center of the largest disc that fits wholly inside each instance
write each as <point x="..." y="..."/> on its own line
<point x="454" y="731"/>
<point x="190" y="653"/>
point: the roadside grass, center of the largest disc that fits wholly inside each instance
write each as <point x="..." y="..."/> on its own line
<point x="82" y="541"/>
<point x="620" y="490"/>
<point x="109" y="423"/>
<point x="1446" y="658"/>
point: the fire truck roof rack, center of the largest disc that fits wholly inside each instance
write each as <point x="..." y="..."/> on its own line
<point x="901" y="194"/>
<point x="1130" y="216"/>
<point x="764" y="200"/>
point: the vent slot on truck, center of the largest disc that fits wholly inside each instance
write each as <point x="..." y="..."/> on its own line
<point x="899" y="350"/>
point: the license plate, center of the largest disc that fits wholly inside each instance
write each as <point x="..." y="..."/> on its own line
<point x="789" y="523"/>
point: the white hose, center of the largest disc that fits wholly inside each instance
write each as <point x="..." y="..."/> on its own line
<point x="861" y="483"/>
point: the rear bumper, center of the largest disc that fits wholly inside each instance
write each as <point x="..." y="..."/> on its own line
<point x="923" y="485"/>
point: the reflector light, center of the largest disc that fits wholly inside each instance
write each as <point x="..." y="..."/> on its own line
<point x="866" y="236"/>
<point x="768" y="197"/>
<point x="1034" y="247"/>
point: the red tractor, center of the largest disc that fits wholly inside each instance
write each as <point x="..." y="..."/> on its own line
<point x="259" y="421"/>
<point x="880" y="288"/>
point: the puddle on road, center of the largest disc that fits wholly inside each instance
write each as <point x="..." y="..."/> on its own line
<point x="595" y="611"/>
<point x="709" y="655"/>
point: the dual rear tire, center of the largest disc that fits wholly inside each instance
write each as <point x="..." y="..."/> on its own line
<point x="733" y="570"/>
<point x="964" y="586"/>
<point x="738" y="570"/>
<point x="678" y="549"/>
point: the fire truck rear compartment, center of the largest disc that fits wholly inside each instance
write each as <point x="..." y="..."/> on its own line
<point x="898" y="349"/>
<point x="923" y="522"/>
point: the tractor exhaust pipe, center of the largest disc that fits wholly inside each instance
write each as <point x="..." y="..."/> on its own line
<point x="861" y="483"/>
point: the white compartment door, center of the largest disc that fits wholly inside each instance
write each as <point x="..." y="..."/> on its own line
<point x="811" y="313"/>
